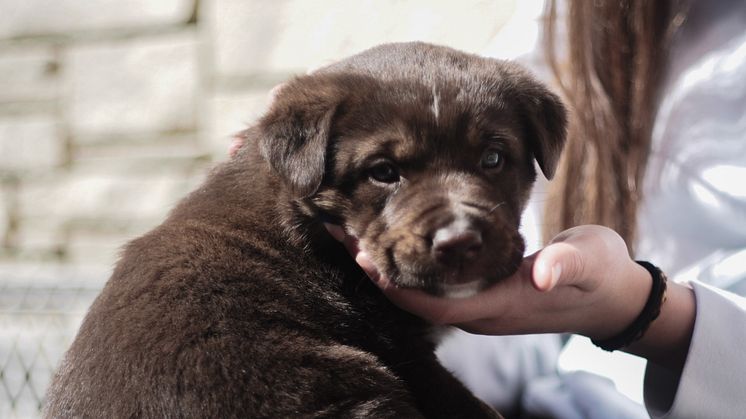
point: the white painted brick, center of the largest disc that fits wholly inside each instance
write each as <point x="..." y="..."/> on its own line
<point x="293" y="35"/>
<point x="28" y="73"/>
<point x="34" y="17"/>
<point x="4" y="213"/>
<point x="39" y="238"/>
<point x="96" y="242"/>
<point x="86" y="216"/>
<point x="60" y="276"/>
<point x="29" y="142"/>
<point x="142" y="153"/>
<point x="86" y="248"/>
<point x="137" y="85"/>
<point x="94" y="198"/>
<point x="229" y="113"/>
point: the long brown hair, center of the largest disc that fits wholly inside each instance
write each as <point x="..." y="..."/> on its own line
<point x="610" y="78"/>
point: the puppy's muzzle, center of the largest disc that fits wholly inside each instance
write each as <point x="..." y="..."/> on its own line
<point x="447" y="234"/>
<point x="457" y="244"/>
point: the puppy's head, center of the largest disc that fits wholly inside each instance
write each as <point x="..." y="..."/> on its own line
<point x="423" y="153"/>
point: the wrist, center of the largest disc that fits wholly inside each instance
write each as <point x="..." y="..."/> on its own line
<point x="649" y="313"/>
<point x="667" y="341"/>
<point x="622" y="302"/>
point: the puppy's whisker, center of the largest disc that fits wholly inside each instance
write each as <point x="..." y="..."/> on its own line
<point x="475" y="205"/>
<point x="496" y="207"/>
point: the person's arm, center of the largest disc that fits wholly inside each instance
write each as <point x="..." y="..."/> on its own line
<point x="666" y="342"/>
<point x="712" y="382"/>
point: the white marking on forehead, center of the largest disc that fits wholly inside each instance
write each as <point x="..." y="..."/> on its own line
<point x="435" y="107"/>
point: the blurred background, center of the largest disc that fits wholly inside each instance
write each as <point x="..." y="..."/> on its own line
<point x="111" y="110"/>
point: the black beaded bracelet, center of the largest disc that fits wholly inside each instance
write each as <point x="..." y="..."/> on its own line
<point x="650" y="312"/>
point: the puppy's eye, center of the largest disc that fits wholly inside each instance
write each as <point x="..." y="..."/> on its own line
<point x="384" y="172"/>
<point x="491" y="159"/>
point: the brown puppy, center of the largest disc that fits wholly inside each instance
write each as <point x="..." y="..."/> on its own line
<point x="241" y="305"/>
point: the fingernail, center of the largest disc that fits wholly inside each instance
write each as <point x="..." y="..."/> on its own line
<point x="364" y="261"/>
<point x="556" y="273"/>
<point x="336" y="231"/>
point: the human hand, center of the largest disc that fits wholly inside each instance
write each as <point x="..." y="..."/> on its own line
<point x="583" y="282"/>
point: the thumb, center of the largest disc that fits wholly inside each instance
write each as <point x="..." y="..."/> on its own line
<point x="558" y="263"/>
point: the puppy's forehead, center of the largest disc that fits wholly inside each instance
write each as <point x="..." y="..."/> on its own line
<point x="396" y="137"/>
<point x="421" y="61"/>
<point x="412" y="120"/>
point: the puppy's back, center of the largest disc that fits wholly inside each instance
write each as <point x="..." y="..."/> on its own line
<point x="197" y="312"/>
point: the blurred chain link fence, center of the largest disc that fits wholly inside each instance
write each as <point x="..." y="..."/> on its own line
<point x="39" y="317"/>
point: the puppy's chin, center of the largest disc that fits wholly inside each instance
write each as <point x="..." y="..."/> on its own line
<point x="457" y="285"/>
<point x="442" y="287"/>
<point x="462" y="290"/>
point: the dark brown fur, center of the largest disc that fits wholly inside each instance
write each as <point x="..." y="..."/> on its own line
<point x="241" y="305"/>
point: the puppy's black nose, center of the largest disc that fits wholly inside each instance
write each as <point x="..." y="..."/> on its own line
<point x="453" y="245"/>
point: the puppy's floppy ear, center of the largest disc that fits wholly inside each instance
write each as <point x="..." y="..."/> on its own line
<point x="294" y="133"/>
<point x="546" y="121"/>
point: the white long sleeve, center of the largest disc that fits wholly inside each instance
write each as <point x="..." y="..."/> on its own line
<point x="713" y="381"/>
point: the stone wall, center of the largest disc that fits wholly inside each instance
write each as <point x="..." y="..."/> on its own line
<point x="111" y="110"/>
